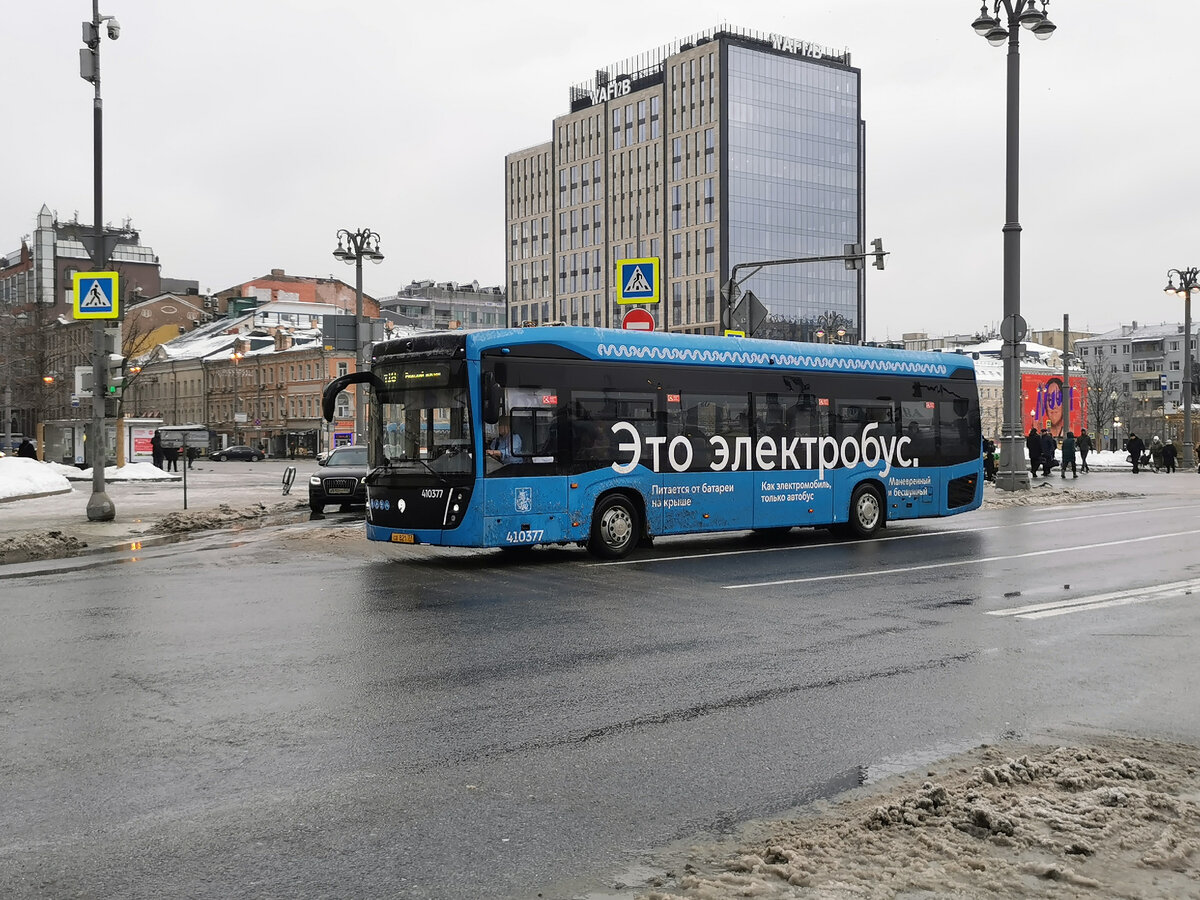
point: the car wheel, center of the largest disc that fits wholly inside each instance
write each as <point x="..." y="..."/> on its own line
<point x="866" y="511"/>
<point x="218" y="457"/>
<point x="615" y="527"/>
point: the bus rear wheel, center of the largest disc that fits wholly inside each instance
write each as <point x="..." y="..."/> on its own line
<point x="615" y="527"/>
<point x="866" y="511"/>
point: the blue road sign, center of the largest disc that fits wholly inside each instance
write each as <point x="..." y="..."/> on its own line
<point x="637" y="280"/>
<point x="96" y="295"/>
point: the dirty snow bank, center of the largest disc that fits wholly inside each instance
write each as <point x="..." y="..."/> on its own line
<point x="1044" y="495"/>
<point x="1119" y="817"/>
<point x="223" y="516"/>
<point x="26" y="546"/>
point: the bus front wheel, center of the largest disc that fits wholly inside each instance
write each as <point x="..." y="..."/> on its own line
<point x="615" y="527"/>
<point x="866" y="511"/>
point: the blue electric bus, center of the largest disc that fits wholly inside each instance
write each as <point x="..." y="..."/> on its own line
<point x="554" y="435"/>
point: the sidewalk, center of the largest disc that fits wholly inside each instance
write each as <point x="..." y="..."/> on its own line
<point x="218" y="495"/>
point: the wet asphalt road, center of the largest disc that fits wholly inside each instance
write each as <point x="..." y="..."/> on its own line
<point x="248" y="718"/>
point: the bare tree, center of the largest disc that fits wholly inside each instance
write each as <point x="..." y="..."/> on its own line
<point x="1103" y="382"/>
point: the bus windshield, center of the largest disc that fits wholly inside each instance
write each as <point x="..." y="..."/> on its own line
<point x="423" y="416"/>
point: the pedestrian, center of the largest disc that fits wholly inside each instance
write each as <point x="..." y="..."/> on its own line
<point x="989" y="459"/>
<point x="1068" y="459"/>
<point x="26" y="449"/>
<point x="1156" y="453"/>
<point x="171" y="455"/>
<point x="192" y="453"/>
<point x="1033" y="446"/>
<point x="1083" y="444"/>
<point x="1049" y="447"/>
<point x="1136" y="448"/>
<point x="156" y="449"/>
<point x="1169" y="453"/>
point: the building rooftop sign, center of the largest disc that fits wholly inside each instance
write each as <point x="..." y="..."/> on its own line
<point x="645" y="69"/>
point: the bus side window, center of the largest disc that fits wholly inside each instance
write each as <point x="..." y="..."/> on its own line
<point x="536" y="429"/>
<point x="917" y="419"/>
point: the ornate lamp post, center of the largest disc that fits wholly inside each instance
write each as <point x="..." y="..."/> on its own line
<point x="1187" y="286"/>
<point x="831" y="328"/>
<point x="1012" y="475"/>
<point x="236" y="358"/>
<point x="359" y="245"/>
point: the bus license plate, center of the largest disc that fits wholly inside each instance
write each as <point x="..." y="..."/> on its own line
<point x="398" y="538"/>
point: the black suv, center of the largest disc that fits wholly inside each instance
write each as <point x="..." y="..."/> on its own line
<point x="341" y="479"/>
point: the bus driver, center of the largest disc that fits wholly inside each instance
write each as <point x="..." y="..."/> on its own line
<point x="505" y="446"/>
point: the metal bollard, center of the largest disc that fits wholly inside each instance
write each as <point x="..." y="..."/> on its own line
<point x="289" y="475"/>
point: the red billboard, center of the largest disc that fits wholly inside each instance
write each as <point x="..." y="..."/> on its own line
<point x="1042" y="402"/>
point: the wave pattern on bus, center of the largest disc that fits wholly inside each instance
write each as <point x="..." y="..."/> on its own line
<point x="739" y="357"/>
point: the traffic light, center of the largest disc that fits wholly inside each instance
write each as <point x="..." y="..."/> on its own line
<point x="879" y="252"/>
<point x="115" y="374"/>
<point x="853" y="255"/>
<point x="114" y="369"/>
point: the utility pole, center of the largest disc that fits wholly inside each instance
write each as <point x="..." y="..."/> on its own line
<point x="99" y="508"/>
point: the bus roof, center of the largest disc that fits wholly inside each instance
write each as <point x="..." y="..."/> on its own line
<point x="709" y="350"/>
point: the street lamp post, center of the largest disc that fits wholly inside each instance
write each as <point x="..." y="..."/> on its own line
<point x="1189" y="284"/>
<point x="1012" y="475"/>
<point x="99" y="507"/>
<point x="236" y="358"/>
<point x="1116" y="419"/>
<point x="359" y="245"/>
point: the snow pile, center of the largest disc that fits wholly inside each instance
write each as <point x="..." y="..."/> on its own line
<point x="224" y="516"/>
<point x="22" y="477"/>
<point x="1118" y="818"/>
<point x="1045" y="495"/>
<point x="25" y="546"/>
<point x="134" y="471"/>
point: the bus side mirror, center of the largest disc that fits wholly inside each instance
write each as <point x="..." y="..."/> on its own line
<point x="492" y="395"/>
<point x="330" y="394"/>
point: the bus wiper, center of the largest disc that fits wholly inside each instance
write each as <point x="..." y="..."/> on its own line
<point x="432" y="471"/>
<point x="400" y="463"/>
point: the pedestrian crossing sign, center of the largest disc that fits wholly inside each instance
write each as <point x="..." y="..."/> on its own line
<point x="637" y="280"/>
<point x="96" y="295"/>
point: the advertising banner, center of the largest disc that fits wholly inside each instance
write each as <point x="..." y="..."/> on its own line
<point x="1042" y="402"/>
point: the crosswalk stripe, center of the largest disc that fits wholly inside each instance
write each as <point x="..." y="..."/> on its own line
<point x="1099" y="601"/>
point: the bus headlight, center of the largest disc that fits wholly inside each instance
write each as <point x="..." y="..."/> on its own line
<point x="458" y="502"/>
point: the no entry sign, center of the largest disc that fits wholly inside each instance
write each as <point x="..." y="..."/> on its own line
<point x="638" y="320"/>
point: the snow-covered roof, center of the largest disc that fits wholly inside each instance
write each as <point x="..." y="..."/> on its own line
<point x="1134" y="333"/>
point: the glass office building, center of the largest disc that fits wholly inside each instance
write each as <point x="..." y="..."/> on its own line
<point x="722" y="149"/>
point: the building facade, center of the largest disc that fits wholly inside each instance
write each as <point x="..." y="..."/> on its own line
<point x="445" y="304"/>
<point x="1139" y="370"/>
<point x="280" y="286"/>
<point x="252" y="379"/>
<point x="722" y="148"/>
<point x="40" y="341"/>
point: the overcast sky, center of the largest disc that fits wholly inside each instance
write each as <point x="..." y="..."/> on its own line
<point x="240" y="135"/>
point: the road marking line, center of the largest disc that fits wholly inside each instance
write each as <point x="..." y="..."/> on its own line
<point x="879" y="540"/>
<point x="875" y="573"/>
<point x="1099" y="601"/>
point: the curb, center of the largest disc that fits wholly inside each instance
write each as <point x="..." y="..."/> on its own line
<point x="34" y="496"/>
